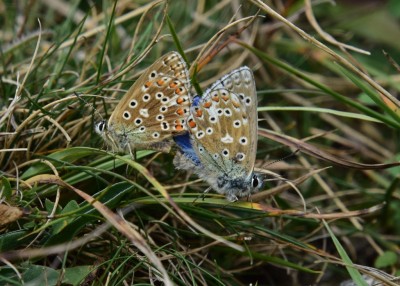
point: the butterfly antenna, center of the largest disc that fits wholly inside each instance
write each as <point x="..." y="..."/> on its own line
<point x="89" y="104"/>
<point x="282" y="159"/>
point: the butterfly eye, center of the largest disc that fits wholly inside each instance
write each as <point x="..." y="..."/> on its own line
<point x="255" y="182"/>
<point x="101" y="126"/>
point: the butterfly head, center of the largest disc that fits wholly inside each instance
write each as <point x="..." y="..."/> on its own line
<point x="238" y="187"/>
<point x="101" y="127"/>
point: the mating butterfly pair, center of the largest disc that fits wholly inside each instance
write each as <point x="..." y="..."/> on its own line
<point x="216" y="134"/>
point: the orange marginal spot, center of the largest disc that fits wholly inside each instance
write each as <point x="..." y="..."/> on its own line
<point x="178" y="127"/>
<point x="178" y="90"/>
<point x="192" y="124"/>
<point x="160" y="82"/>
<point x="215" y="98"/>
<point x="199" y="112"/>
<point x="180" y="111"/>
<point x="180" y="100"/>
<point x="235" y="103"/>
<point x="172" y="85"/>
<point x="147" y="84"/>
<point x="207" y="104"/>
<point x="225" y="97"/>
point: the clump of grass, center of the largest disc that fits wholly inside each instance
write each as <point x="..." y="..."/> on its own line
<point x="74" y="213"/>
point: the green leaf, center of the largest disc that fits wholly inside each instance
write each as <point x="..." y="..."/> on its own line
<point x="41" y="275"/>
<point x="354" y="274"/>
<point x="72" y="206"/>
<point x="6" y="189"/>
<point x="75" y="275"/>
<point x="386" y="259"/>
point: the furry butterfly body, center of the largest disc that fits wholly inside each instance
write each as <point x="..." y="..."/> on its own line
<point x="153" y="110"/>
<point x="222" y="141"/>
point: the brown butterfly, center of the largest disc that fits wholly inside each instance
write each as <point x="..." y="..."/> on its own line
<point x="153" y="110"/>
<point x="221" y="144"/>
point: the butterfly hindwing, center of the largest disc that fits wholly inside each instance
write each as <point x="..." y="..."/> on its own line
<point x="223" y="136"/>
<point x="153" y="109"/>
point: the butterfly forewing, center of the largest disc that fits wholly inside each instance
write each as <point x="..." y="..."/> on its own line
<point x="154" y="108"/>
<point x="223" y="136"/>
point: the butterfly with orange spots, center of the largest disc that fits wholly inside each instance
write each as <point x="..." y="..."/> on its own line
<point x="153" y="110"/>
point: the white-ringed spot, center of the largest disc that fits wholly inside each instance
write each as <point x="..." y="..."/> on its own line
<point x="160" y="117"/>
<point x="146" y="97"/>
<point x="241" y="96"/>
<point x="247" y="100"/>
<point x="163" y="108"/>
<point x="237" y="123"/>
<point x="213" y="119"/>
<point x="138" y="121"/>
<point x="227" y="112"/>
<point x="133" y="103"/>
<point x="225" y="152"/>
<point x="126" y="115"/>
<point x="159" y="95"/>
<point x="142" y="128"/>
<point x="164" y="125"/>
<point x="165" y="99"/>
<point x="240" y="156"/>
<point x="220" y="111"/>
<point x="209" y="131"/>
<point x="215" y="156"/>
<point x="155" y="135"/>
<point x="153" y="74"/>
<point x="243" y="140"/>
<point x="200" y="134"/>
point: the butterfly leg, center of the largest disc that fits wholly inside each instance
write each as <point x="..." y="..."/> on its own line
<point x="203" y="195"/>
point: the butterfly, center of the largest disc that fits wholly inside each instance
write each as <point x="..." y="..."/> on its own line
<point x="221" y="143"/>
<point x="153" y="109"/>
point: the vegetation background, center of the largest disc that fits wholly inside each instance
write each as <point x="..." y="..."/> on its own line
<point x="328" y="79"/>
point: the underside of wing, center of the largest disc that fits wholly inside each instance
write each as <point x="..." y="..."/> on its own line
<point x="221" y="132"/>
<point x="156" y="106"/>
